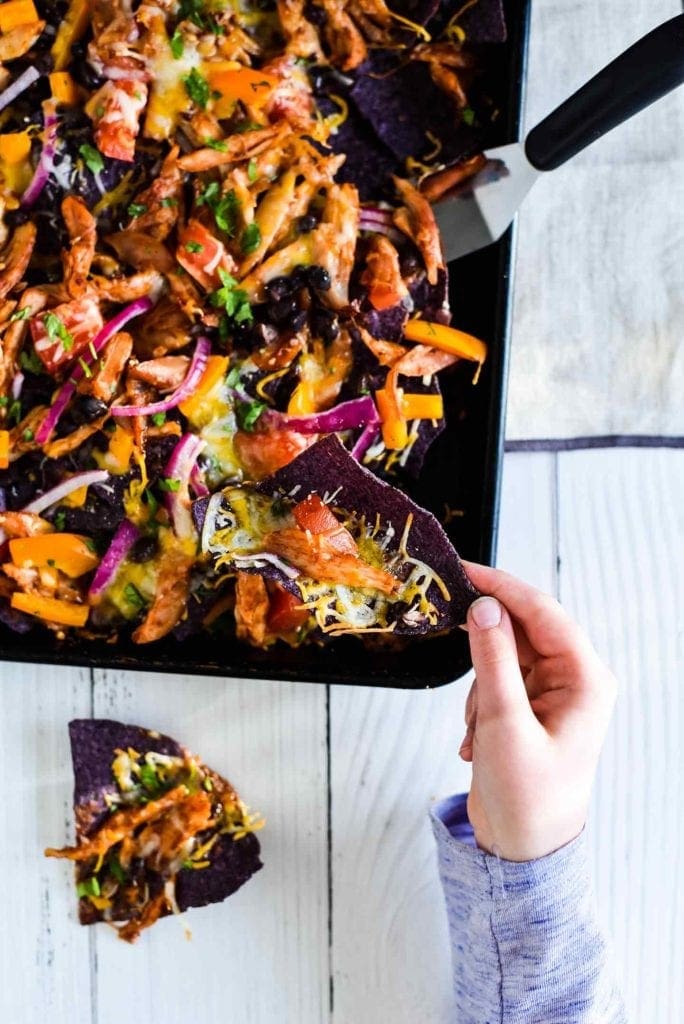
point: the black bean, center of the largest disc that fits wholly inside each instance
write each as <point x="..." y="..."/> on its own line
<point x="324" y="324"/>
<point x="144" y="549"/>
<point x="279" y="288"/>
<point x="282" y="312"/>
<point x="297" y="320"/>
<point x="306" y="223"/>
<point x="298" y="278"/>
<point x="318" y="278"/>
<point x="409" y="264"/>
<point x="315" y="14"/>
<point x="86" y="408"/>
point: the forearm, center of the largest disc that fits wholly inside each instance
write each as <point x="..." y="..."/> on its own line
<point x="526" y="945"/>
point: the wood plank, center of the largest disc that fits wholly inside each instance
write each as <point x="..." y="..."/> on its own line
<point x="43" y="950"/>
<point x="621" y="533"/>
<point x="392" y="753"/>
<point x="264" y="953"/>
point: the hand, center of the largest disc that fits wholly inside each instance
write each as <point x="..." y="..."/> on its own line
<point x="536" y="719"/>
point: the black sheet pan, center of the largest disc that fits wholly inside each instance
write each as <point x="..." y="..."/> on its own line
<point x="460" y="483"/>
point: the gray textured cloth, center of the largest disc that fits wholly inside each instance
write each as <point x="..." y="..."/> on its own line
<point x="599" y="291"/>
<point x="526" y="946"/>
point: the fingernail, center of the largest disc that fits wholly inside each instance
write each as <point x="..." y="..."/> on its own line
<point x="485" y="612"/>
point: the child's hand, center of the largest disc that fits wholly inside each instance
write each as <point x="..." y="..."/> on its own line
<point x="536" y="718"/>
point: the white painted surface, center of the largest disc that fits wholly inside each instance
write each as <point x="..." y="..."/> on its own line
<point x="614" y="518"/>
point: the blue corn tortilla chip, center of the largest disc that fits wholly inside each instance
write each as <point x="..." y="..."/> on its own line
<point x="483" y="22"/>
<point x="327" y="468"/>
<point x="94" y="743"/>
<point x="402" y="104"/>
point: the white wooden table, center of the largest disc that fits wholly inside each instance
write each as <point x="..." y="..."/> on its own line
<point x="345" y="923"/>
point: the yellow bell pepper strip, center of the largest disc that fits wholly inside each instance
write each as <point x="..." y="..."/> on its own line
<point x="214" y="371"/>
<point x="51" y="609"/>
<point x="392" y="420"/>
<point x="17" y="12"/>
<point x="4" y="449"/>
<point x="302" y="400"/>
<point x="63" y="88"/>
<point x="69" y="32"/>
<point x="448" y="339"/>
<point x="422" y="407"/>
<point x="236" y="82"/>
<point x="67" y="552"/>
<point x="77" y="498"/>
<point x="117" y="458"/>
<point x="15" y="146"/>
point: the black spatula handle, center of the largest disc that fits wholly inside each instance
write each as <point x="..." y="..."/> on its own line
<point x="638" y="77"/>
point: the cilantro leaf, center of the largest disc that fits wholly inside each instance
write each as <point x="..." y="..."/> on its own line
<point x="20" y="314"/>
<point x="133" y="596"/>
<point x="218" y="144"/>
<point x="56" y="331"/>
<point x="247" y="414"/>
<point x="169" y="484"/>
<point x="30" y="361"/>
<point x="158" y="418"/>
<point x="224" y="207"/>
<point x="251" y="238"/>
<point x="252" y="170"/>
<point x="136" y="209"/>
<point x="197" y="88"/>
<point x="176" y="44"/>
<point x="194" y="247"/>
<point x="92" y="158"/>
<point x="89" y="887"/>
<point x="232" y="300"/>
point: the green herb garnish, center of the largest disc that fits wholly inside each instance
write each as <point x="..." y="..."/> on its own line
<point x="89" y="887"/>
<point x="224" y="207"/>
<point x="194" y="247"/>
<point x="60" y="519"/>
<point x="233" y="377"/>
<point x="30" y="361"/>
<point x="92" y="158"/>
<point x="169" y="484"/>
<point x="176" y="44"/>
<point x="14" y="412"/>
<point x="133" y="596"/>
<point x="116" y="870"/>
<point x="197" y="88"/>
<point x="149" y="779"/>
<point x="20" y="314"/>
<point x="28" y="434"/>
<point x="57" y="331"/>
<point x="136" y="209"/>
<point x="468" y="115"/>
<point x="152" y="503"/>
<point x="169" y="201"/>
<point x="158" y="418"/>
<point x="231" y="299"/>
<point x="252" y="170"/>
<point x="218" y="144"/>
<point x="251" y="238"/>
<point x="247" y="414"/>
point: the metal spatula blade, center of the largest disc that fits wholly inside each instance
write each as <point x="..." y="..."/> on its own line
<point x="480" y="213"/>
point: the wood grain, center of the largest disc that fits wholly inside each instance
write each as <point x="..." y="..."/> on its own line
<point x="392" y="753"/>
<point x="261" y="957"/>
<point x="43" y="951"/>
<point x="621" y="536"/>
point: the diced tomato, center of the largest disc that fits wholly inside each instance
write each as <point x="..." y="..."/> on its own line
<point x="63" y="333"/>
<point x="115" y="110"/>
<point x="285" y="613"/>
<point x="201" y="255"/>
<point x="263" y="452"/>
<point x="314" y="515"/>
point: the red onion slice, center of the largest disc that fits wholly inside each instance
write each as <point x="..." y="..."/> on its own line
<point x="365" y="440"/>
<point x="179" y="467"/>
<point x="187" y="388"/>
<point x="359" y="412"/>
<point x="64" y="394"/>
<point x="19" y="85"/>
<point x="197" y="483"/>
<point x="122" y="542"/>
<point x="55" y="494"/>
<point x="47" y="155"/>
<point x="17" y="384"/>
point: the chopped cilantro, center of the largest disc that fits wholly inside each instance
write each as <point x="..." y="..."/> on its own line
<point x="116" y="870"/>
<point x="20" y="314"/>
<point x="247" y="126"/>
<point x="150" y="780"/>
<point x="176" y="44"/>
<point x="152" y="503"/>
<point x="169" y="201"/>
<point x="208" y="784"/>
<point x="4" y="401"/>
<point x="30" y="361"/>
<point x="252" y="170"/>
<point x="251" y="238"/>
<point x="90" y="544"/>
<point x="233" y="378"/>
<point x="169" y="484"/>
<point x="224" y="207"/>
<point x="57" y="331"/>
<point x="28" y="435"/>
<point x="14" y="413"/>
<point x="133" y="596"/>
<point x="60" y="519"/>
<point x="218" y="144"/>
<point x="192" y="10"/>
<point x="89" y="887"/>
<point x="231" y="299"/>
<point x="194" y="247"/>
<point x="158" y="418"/>
<point x="247" y="414"/>
<point x="87" y="372"/>
<point x="468" y="115"/>
<point x="92" y="158"/>
<point x="197" y="88"/>
<point x="136" y="209"/>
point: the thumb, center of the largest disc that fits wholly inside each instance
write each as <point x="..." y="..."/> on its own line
<point x="500" y="685"/>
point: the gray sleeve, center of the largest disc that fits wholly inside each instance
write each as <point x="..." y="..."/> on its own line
<point x="526" y="945"/>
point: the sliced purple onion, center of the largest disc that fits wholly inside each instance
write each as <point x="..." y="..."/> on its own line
<point x="187" y="388"/>
<point x="56" y="494"/>
<point x="365" y="440"/>
<point x="197" y="483"/>
<point x="17" y="384"/>
<point x="46" y="159"/>
<point x="19" y="85"/>
<point x="179" y="467"/>
<point x="122" y="542"/>
<point x="359" y="412"/>
<point x="104" y="335"/>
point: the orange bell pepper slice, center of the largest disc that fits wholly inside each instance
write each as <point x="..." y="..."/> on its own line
<point x="4" y="449"/>
<point x="422" y="407"/>
<point x="71" y="28"/>
<point x="236" y="82"/>
<point x="448" y="339"/>
<point x="63" y="88"/>
<point x="51" y="609"/>
<point x="17" y="12"/>
<point x="393" y="421"/>
<point x="215" y="370"/>
<point x="15" y="146"/>
<point x="67" y="552"/>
